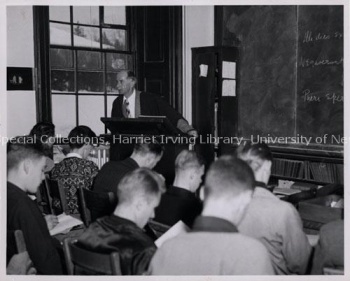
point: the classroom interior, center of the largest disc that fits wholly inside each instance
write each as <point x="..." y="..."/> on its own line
<point x="235" y="73"/>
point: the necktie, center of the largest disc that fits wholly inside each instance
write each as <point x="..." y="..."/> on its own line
<point x="126" y="110"/>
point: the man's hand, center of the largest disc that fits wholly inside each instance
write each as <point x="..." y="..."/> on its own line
<point x="20" y="264"/>
<point x="193" y="133"/>
<point x="51" y="221"/>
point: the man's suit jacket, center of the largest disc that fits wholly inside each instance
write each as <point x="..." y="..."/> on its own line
<point x="148" y="104"/>
<point x="111" y="173"/>
<point x="329" y="252"/>
<point x="23" y="214"/>
<point x="117" y="234"/>
<point x="178" y="204"/>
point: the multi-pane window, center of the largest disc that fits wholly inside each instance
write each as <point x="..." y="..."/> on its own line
<point x="88" y="45"/>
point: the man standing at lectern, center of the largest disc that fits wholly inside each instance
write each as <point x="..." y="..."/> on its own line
<point x="132" y="103"/>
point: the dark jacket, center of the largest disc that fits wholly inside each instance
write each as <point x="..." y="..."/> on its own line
<point x="150" y="105"/>
<point x="23" y="214"/>
<point x="329" y="252"/>
<point x="111" y="173"/>
<point x="116" y="234"/>
<point x="178" y="204"/>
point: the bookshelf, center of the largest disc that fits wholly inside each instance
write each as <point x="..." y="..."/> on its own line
<point x="312" y="165"/>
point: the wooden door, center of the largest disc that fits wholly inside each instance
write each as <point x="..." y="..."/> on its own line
<point x="159" y="52"/>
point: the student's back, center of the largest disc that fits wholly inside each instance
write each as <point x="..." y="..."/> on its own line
<point x="111" y="173"/>
<point x="211" y="253"/>
<point x="278" y="226"/>
<point x="274" y="222"/>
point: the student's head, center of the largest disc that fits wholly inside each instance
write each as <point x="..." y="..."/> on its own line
<point x="26" y="163"/>
<point x="139" y="192"/>
<point x="229" y="184"/>
<point x="126" y="81"/>
<point x="147" y="155"/>
<point x="44" y="132"/>
<point x="82" y="140"/>
<point x="189" y="168"/>
<point x="259" y="157"/>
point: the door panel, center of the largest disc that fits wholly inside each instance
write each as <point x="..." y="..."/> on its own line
<point x="159" y="50"/>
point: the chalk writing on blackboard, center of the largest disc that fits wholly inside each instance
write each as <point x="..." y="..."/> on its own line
<point x="308" y="96"/>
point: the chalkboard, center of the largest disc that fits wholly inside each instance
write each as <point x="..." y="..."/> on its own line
<point x="320" y="72"/>
<point x="291" y="70"/>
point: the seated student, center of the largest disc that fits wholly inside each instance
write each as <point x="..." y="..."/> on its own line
<point x="139" y="193"/>
<point x="179" y="202"/>
<point x="25" y="171"/>
<point x="75" y="171"/>
<point x="274" y="222"/>
<point x="145" y="155"/>
<point x="329" y="251"/>
<point x="214" y="246"/>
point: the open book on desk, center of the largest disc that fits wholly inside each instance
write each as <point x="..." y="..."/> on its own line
<point x="175" y="230"/>
<point x="285" y="191"/>
<point x="65" y="224"/>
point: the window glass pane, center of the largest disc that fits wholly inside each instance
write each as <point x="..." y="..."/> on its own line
<point x="59" y="13"/>
<point x="110" y="100"/>
<point x="114" y="39"/>
<point x="89" y="60"/>
<point x="62" y="81"/>
<point x="118" y="61"/>
<point x="60" y="34"/>
<point x="63" y="113"/>
<point x="86" y="36"/>
<point x="111" y="84"/>
<point x="115" y="15"/>
<point x="61" y="58"/>
<point x="91" y="109"/>
<point x="90" y="82"/>
<point x="86" y="15"/>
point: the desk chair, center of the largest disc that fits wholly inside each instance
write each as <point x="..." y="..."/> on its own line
<point x="57" y="196"/>
<point x="43" y="199"/>
<point x="20" y="243"/>
<point x="94" y="205"/>
<point x="333" y="271"/>
<point x="78" y="258"/>
<point x="16" y="263"/>
<point x="15" y="243"/>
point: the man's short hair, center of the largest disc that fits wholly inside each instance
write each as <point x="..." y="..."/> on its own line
<point x="80" y="136"/>
<point x="43" y="130"/>
<point x="131" y="75"/>
<point x="228" y="177"/>
<point x="145" y="148"/>
<point x="188" y="159"/>
<point x="140" y="182"/>
<point x="20" y="149"/>
<point x="249" y="152"/>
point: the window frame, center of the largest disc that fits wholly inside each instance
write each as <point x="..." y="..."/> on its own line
<point x="43" y="67"/>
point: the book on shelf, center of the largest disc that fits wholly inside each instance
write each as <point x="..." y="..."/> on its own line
<point x="309" y="170"/>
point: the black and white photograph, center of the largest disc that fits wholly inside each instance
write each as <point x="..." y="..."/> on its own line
<point x="179" y="139"/>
